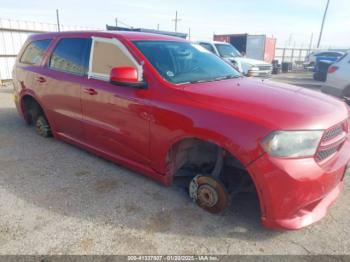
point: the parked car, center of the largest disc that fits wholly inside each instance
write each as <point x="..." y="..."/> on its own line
<point x="247" y="66"/>
<point x="313" y="57"/>
<point x="321" y="69"/>
<point x="173" y="111"/>
<point x="338" y="79"/>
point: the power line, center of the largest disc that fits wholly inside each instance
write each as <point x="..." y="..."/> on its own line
<point x="118" y="21"/>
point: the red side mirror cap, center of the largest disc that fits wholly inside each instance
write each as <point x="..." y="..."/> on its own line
<point x="125" y="74"/>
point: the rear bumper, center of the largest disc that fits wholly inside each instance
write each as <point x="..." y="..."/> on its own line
<point x="331" y="90"/>
<point x="295" y="193"/>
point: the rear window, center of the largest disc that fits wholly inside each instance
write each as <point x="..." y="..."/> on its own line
<point x="342" y="57"/>
<point x="71" y="55"/>
<point x="34" y="52"/>
<point x="330" y="54"/>
<point x="207" y="46"/>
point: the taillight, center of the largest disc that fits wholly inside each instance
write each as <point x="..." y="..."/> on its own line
<point x="332" y="69"/>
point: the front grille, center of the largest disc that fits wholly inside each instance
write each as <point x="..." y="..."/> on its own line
<point x="264" y="67"/>
<point x="333" y="132"/>
<point x="323" y="154"/>
<point x="331" y="141"/>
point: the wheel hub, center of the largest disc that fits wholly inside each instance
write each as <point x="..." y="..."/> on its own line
<point x="209" y="193"/>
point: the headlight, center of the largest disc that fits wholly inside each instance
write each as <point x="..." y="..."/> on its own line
<point x="292" y="143"/>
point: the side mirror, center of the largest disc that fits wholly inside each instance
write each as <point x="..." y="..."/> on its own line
<point x="126" y="76"/>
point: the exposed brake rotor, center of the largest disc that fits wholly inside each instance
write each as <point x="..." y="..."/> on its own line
<point x="209" y="193"/>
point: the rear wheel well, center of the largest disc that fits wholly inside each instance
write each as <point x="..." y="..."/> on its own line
<point x="190" y="157"/>
<point x="31" y="109"/>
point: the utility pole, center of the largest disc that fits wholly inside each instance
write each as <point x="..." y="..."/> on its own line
<point x="311" y="39"/>
<point x="189" y="33"/>
<point x="158" y="27"/>
<point x="176" y="20"/>
<point x="58" y="21"/>
<point x="116" y="23"/>
<point x="323" y="20"/>
<point x="290" y="39"/>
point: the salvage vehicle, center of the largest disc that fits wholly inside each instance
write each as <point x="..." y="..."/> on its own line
<point x="247" y="66"/>
<point x="338" y="79"/>
<point x="170" y="109"/>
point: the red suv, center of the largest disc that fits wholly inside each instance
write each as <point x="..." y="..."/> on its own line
<point x="173" y="111"/>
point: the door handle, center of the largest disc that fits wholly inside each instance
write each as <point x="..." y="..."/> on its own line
<point x="40" y="79"/>
<point x="90" y="91"/>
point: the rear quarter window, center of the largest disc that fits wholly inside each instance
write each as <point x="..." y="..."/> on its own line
<point x="34" y="52"/>
<point x="71" y="55"/>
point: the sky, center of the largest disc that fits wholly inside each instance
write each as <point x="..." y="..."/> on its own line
<point x="291" y="22"/>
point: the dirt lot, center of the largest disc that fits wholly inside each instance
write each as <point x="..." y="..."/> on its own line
<point x="58" y="199"/>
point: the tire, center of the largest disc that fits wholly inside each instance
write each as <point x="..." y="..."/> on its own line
<point x="42" y="127"/>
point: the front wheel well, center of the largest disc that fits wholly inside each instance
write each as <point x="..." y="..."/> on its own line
<point x="192" y="156"/>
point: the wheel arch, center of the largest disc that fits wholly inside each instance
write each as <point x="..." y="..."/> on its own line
<point x="188" y="141"/>
<point x="173" y="164"/>
<point x="29" y="97"/>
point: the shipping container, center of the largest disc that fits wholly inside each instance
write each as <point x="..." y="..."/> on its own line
<point x="258" y="47"/>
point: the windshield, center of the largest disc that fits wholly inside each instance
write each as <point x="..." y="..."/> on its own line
<point x="226" y="50"/>
<point x="184" y="62"/>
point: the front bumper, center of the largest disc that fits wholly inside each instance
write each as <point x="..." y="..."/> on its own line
<point x="260" y="73"/>
<point x="295" y="193"/>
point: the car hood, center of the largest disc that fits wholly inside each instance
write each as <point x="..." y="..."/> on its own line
<point x="270" y="104"/>
<point x="248" y="61"/>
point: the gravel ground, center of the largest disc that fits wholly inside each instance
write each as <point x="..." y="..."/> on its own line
<point x="299" y="78"/>
<point x="58" y="199"/>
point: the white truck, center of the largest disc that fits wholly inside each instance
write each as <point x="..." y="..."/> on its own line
<point x="247" y="66"/>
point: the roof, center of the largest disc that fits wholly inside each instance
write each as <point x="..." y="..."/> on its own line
<point x="213" y="42"/>
<point x="130" y="36"/>
<point x="145" y="30"/>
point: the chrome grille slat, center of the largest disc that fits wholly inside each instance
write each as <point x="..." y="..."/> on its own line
<point x="332" y="133"/>
<point x="335" y="133"/>
<point x="264" y="67"/>
<point x="323" y="154"/>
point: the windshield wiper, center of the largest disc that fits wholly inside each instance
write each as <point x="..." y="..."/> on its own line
<point x="211" y="80"/>
<point x="227" y="77"/>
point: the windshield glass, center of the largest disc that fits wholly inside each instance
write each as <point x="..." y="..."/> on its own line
<point x="184" y="62"/>
<point x="226" y="50"/>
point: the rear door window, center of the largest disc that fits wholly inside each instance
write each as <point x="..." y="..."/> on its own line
<point x="71" y="55"/>
<point x="35" y="51"/>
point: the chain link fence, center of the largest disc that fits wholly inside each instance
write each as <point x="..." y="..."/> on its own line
<point x="296" y="56"/>
<point x="13" y="34"/>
